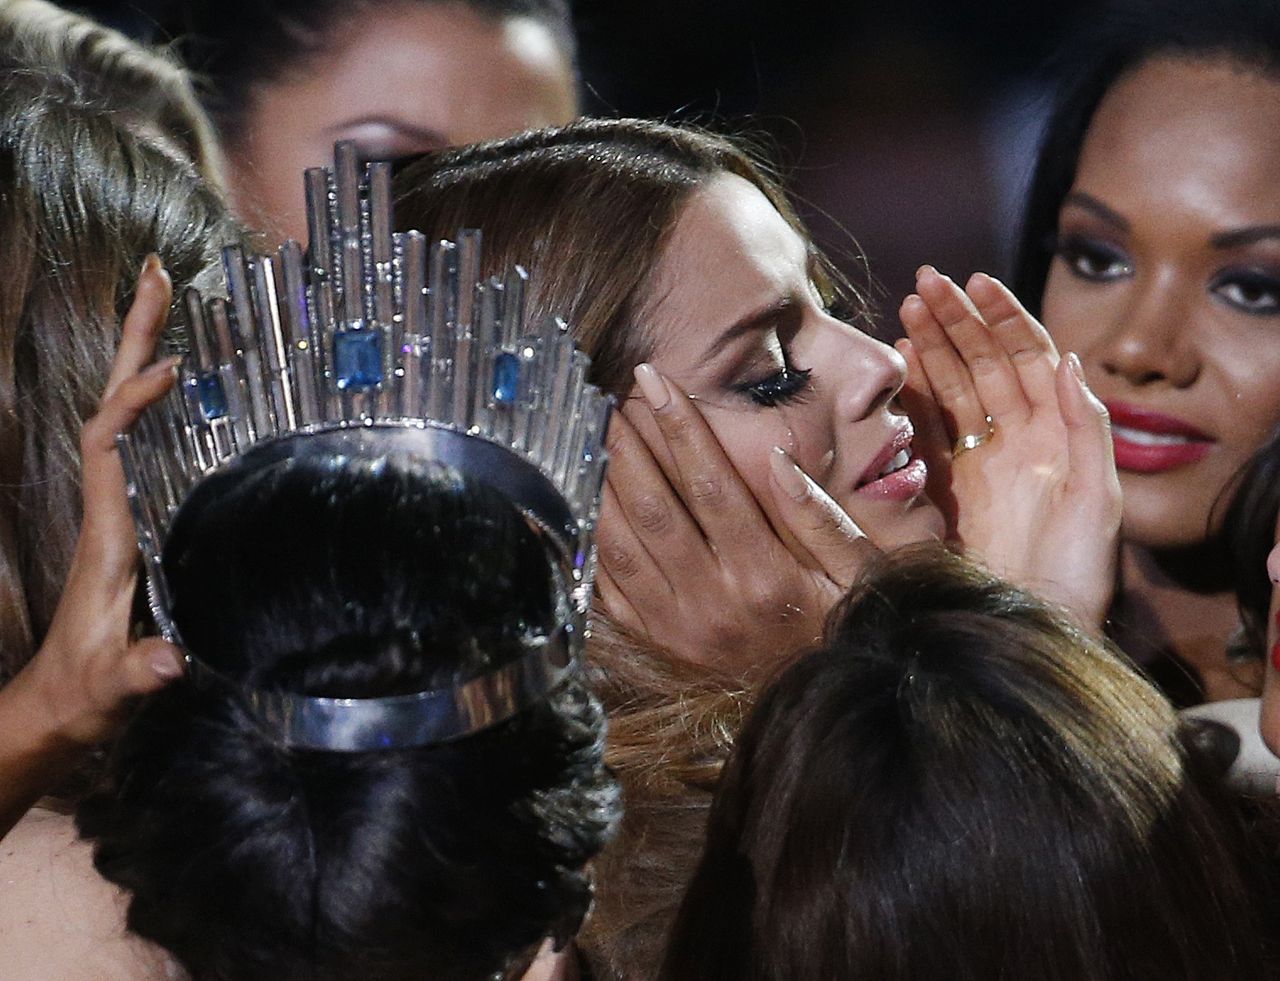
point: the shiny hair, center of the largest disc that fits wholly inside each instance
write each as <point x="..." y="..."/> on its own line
<point x="145" y="84"/>
<point x="959" y="783"/>
<point x="86" y="197"/>
<point x="588" y="208"/>
<point x="249" y="860"/>
<point x="236" y="46"/>
<point x="1244" y="32"/>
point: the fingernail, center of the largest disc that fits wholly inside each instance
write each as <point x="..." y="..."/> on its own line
<point x="789" y="476"/>
<point x="926" y="268"/>
<point x="164" y="364"/>
<point x="166" y="665"/>
<point x="1077" y="369"/>
<point x="652" y="387"/>
<point x="151" y="263"/>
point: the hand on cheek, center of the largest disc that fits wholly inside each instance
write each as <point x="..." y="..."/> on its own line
<point x="688" y="556"/>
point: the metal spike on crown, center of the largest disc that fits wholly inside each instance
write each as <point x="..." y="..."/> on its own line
<point x="375" y="332"/>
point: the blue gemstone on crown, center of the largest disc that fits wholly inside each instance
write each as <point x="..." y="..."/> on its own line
<point x="506" y="378"/>
<point x="357" y="359"/>
<point x="213" y="400"/>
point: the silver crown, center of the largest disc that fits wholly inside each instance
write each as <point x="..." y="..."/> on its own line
<point x="380" y="345"/>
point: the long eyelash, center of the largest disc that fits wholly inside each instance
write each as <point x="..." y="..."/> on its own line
<point x="788" y="386"/>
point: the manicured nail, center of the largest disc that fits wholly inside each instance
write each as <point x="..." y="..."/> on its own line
<point x="789" y="476"/>
<point x="1077" y="369"/>
<point x="169" y="364"/>
<point x="652" y="387"/>
<point x="166" y="665"/>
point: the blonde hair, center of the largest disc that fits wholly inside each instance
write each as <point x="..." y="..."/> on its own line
<point x="588" y="208"/>
<point x="85" y="199"/>
<point x="146" y="84"/>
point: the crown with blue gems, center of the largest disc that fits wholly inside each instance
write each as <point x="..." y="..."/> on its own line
<point x="379" y="345"/>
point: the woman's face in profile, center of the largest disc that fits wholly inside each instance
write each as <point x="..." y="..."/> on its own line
<point x="739" y="324"/>
<point x="1166" y="282"/>
<point x="405" y="78"/>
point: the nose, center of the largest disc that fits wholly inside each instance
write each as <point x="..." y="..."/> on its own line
<point x="1151" y="342"/>
<point x="870" y="373"/>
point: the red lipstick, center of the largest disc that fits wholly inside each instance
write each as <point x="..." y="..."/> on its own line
<point x="1152" y="442"/>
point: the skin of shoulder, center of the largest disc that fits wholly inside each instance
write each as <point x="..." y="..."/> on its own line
<point x="60" y="920"/>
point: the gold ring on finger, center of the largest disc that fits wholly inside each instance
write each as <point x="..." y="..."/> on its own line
<point x="972" y="441"/>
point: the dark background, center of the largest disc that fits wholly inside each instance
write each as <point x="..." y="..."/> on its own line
<point x="906" y="131"/>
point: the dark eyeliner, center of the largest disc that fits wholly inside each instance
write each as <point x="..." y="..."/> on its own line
<point x="1257" y="280"/>
<point x="788" y="386"/>
<point x="1072" y="248"/>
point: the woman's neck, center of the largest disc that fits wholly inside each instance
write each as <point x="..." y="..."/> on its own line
<point x="1177" y="605"/>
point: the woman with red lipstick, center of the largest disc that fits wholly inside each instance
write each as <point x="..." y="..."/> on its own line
<point x="753" y="423"/>
<point x="1152" y="248"/>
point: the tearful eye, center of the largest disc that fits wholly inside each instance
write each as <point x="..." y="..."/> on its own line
<point x="788" y="385"/>
<point x="1091" y="260"/>
<point x="1249" y="291"/>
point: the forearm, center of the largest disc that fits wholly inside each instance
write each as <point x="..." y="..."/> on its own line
<point x="34" y="753"/>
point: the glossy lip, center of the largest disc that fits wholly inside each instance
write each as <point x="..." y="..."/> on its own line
<point x="1142" y="458"/>
<point x="898" y="442"/>
<point x="904" y="484"/>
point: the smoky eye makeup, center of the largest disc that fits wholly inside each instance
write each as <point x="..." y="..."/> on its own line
<point x="1090" y="258"/>
<point x="1252" y="290"/>
<point x="771" y="378"/>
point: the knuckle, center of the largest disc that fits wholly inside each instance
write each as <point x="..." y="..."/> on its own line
<point x="622" y="562"/>
<point x="677" y="425"/>
<point x="652" y="514"/>
<point x="707" y="489"/>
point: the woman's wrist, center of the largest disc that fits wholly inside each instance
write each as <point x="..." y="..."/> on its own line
<point x="38" y="711"/>
<point x="37" y="747"/>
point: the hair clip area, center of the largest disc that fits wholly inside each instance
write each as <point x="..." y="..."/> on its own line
<point x="378" y="345"/>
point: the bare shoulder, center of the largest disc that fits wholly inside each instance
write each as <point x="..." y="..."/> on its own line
<point x="60" y="920"/>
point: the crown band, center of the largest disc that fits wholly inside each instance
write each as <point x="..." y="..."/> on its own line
<point x="431" y="717"/>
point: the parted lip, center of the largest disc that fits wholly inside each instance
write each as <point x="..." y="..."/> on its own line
<point x="1148" y="420"/>
<point x="899" y="441"/>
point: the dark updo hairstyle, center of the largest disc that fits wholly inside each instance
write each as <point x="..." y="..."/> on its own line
<point x="960" y="784"/>
<point x="248" y="860"/>
<point x="1246" y="32"/>
<point x="235" y="46"/>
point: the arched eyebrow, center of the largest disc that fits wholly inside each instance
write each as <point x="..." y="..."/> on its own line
<point x="779" y="314"/>
<point x="1231" y="239"/>
<point x="1237" y="237"/>
<point x="1096" y="208"/>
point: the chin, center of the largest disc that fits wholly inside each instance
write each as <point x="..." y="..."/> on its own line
<point x="1165" y="521"/>
<point x="920" y="522"/>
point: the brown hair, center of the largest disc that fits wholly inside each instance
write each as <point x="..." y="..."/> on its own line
<point x="85" y="199"/>
<point x="959" y="783"/>
<point x="588" y="208"/>
<point x="146" y="84"/>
